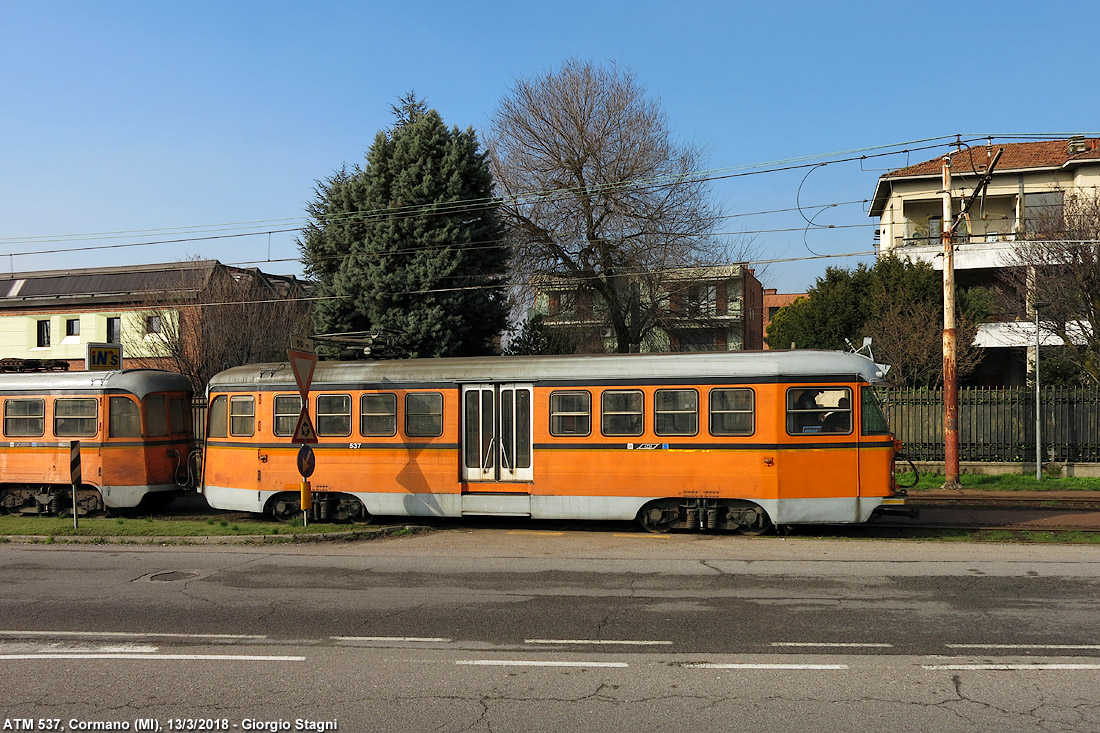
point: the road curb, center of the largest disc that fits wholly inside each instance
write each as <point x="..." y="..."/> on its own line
<point x="254" y="539"/>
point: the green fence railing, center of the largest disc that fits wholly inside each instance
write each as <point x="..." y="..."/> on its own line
<point x="998" y="424"/>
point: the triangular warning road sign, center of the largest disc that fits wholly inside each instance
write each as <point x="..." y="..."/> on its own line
<point x="304" y="432"/>
<point x="302" y="363"/>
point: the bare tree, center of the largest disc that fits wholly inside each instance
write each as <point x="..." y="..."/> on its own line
<point x="216" y="317"/>
<point x="595" y="192"/>
<point x="1055" y="265"/>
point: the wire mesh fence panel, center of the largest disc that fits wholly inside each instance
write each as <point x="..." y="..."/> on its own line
<point x="198" y="419"/>
<point x="998" y="424"/>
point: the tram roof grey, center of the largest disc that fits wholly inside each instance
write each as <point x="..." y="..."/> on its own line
<point x="709" y="365"/>
<point x="139" y="382"/>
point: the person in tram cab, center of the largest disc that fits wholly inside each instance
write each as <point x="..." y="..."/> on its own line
<point x="840" y="419"/>
<point x="807" y="418"/>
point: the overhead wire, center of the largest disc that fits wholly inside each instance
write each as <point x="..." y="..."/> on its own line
<point x="468" y="205"/>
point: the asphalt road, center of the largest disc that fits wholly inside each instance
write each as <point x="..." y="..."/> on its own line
<point x="499" y="630"/>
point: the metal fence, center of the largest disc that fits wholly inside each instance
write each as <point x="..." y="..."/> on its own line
<point x="198" y="420"/>
<point x="999" y="424"/>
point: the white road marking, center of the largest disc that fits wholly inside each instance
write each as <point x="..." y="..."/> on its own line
<point x="764" y="666"/>
<point x="830" y="644"/>
<point x="623" y="642"/>
<point x="401" y="639"/>
<point x="1023" y="646"/>
<point x="1023" y="667"/>
<point x="537" y="532"/>
<point x="119" y="649"/>
<point x="522" y="663"/>
<point x="133" y="634"/>
<point x="184" y="657"/>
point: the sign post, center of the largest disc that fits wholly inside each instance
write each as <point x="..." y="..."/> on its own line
<point x="302" y="362"/>
<point x="74" y="470"/>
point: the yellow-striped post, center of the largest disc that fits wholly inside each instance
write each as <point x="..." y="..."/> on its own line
<point x="74" y="472"/>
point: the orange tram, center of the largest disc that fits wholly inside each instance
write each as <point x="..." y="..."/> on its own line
<point x="135" y="433"/>
<point x="735" y="441"/>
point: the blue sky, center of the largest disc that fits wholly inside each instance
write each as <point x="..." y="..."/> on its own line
<point x="178" y="117"/>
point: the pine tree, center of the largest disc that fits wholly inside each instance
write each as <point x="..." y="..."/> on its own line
<point x="411" y="243"/>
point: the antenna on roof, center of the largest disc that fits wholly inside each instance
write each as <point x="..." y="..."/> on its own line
<point x="865" y="347"/>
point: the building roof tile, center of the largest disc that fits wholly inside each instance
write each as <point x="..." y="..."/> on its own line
<point x="1042" y="154"/>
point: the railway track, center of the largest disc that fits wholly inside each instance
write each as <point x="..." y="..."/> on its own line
<point x="1016" y="501"/>
<point x="990" y="527"/>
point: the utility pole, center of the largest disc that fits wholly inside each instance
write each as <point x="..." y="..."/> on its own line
<point x="950" y="351"/>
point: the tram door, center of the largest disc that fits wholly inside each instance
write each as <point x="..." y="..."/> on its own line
<point x="496" y="433"/>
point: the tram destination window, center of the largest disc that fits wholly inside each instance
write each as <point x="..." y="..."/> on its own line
<point x="731" y="411"/>
<point x="570" y="413"/>
<point x="287" y="409"/>
<point x="676" y="412"/>
<point x="378" y="415"/>
<point x="217" y="418"/>
<point x="334" y="415"/>
<point x="125" y="418"/>
<point x="24" y="418"/>
<point x="156" y="415"/>
<point x="75" y="417"/>
<point x="242" y="415"/>
<point x="621" y="412"/>
<point x="424" y="414"/>
<point x="819" y="410"/>
<point x="177" y="416"/>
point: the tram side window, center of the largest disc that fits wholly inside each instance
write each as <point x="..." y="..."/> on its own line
<point x="287" y="409"/>
<point x="25" y="418"/>
<point x="125" y="418"/>
<point x="621" y="412"/>
<point x="156" y="415"/>
<point x="378" y="415"/>
<point x="75" y="417"/>
<point x="424" y="414"/>
<point x="731" y="411"/>
<point x="570" y="413"/>
<point x="334" y="415"/>
<point x="242" y="415"/>
<point x="676" y="412"/>
<point x="819" y="410"/>
<point x="874" y="422"/>
<point x="218" y="418"/>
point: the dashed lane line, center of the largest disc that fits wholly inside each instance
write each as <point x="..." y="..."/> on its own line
<point x="1021" y="667"/>
<point x="599" y="642"/>
<point x="1024" y="646"/>
<point x="132" y="634"/>
<point x="833" y="645"/>
<point x="763" y="665"/>
<point x="180" y="657"/>
<point x="532" y="663"/>
<point x="396" y="639"/>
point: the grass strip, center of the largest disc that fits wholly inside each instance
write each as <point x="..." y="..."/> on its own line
<point x="1003" y="482"/>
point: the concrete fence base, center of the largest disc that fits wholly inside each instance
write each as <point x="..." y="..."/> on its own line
<point x="992" y="468"/>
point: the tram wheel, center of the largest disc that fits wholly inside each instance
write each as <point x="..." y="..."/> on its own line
<point x="657" y="519"/>
<point x="285" y="509"/>
<point x="762" y="524"/>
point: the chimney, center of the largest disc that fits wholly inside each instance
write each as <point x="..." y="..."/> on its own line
<point x="1077" y="145"/>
